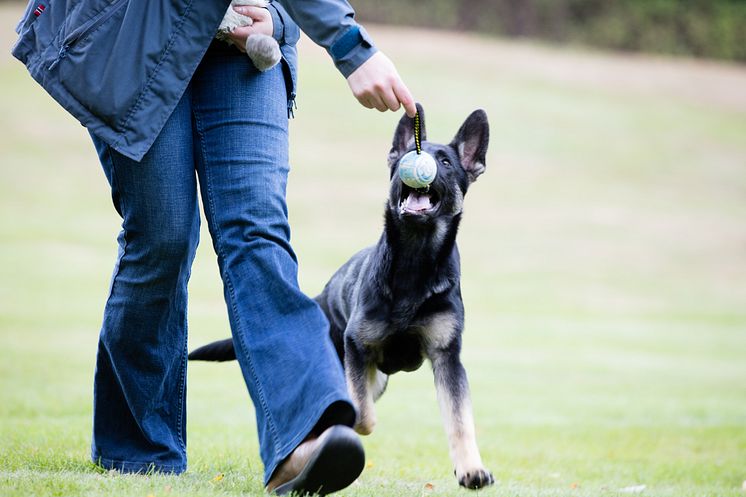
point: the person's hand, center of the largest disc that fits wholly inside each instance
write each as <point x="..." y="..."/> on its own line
<point x="262" y="25"/>
<point x="377" y="85"/>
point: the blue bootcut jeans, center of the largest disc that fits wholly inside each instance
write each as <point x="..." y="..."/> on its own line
<point x="229" y="131"/>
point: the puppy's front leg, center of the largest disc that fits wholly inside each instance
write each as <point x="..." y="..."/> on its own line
<point x="455" y="406"/>
<point x="358" y="373"/>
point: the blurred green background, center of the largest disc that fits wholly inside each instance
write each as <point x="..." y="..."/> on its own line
<point x="604" y="276"/>
<point x="703" y="28"/>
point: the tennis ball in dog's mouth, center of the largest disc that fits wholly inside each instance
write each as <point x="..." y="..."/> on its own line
<point x="417" y="170"/>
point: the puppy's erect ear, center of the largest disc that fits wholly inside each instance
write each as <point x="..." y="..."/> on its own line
<point x="471" y="143"/>
<point x="404" y="136"/>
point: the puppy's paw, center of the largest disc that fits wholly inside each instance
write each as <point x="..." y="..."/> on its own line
<point x="365" y="425"/>
<point x="475" y="478"/>
<point x="263" y="51"/>
<point x="364" y="428"/>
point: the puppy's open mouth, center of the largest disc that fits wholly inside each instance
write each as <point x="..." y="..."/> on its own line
<point x="418" y="201"/>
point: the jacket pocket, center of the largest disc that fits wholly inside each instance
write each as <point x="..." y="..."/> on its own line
<point x="80" y="34"/>
<point x="103" y="62"/>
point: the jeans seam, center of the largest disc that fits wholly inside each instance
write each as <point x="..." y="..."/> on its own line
<point x="184" y="358"/>
<point x="182" y="388"/>
<point x="120" y="198"/>
<point x="182" y="373"/>
<point x="229" y="284"/>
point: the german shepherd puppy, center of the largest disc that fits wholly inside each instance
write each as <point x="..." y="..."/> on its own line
<point x="399" y="301"/>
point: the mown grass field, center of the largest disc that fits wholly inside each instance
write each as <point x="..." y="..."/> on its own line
<point x="604" y="260"/>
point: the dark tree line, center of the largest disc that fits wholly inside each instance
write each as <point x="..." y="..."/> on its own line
<point x="703" y="28"/>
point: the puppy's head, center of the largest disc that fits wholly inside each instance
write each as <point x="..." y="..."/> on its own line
<point x="459" y="164"/>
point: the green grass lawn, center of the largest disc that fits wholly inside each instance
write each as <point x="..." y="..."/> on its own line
<point x="604" y="276"/>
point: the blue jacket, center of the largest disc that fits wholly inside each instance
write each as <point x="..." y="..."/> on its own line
<point x="121" y="66"/>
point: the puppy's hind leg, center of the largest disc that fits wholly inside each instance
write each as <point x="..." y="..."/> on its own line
<point x="359" y="374"/>
<point x="455" y="406"/>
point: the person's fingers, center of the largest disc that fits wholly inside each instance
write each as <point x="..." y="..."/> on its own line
<point x="389" y="98"/>
<point x="240" y="34"/>
<point x="376" y="84"/>
<point x="256" y="13"/>
<point x="375" y="100"/>
<point x="261" y="22"/>
<point x="405" y="97"/>
<point x="245" y="31"/>
<point x="364" y="102"/>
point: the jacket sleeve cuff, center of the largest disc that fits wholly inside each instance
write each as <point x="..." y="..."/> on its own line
<point x="351" y="49"/>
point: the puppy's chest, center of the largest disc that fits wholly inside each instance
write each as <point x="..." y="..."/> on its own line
<point x="402" y="346"/>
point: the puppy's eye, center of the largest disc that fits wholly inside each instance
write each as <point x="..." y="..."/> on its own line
<point x="446" y="162"/>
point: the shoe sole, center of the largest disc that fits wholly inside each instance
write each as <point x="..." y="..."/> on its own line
<point x="337" y="463"/>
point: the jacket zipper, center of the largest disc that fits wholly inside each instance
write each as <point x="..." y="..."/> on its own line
<point x="83" y="30"/>
<point x="292" y="106"/>
<point x="287" y="72"/>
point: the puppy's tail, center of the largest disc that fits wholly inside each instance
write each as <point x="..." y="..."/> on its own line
<point x="219" y="351"/>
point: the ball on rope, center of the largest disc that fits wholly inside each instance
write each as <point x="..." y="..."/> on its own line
<point x="417" y="170"/>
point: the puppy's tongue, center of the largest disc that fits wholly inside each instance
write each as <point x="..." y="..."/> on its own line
<point x="417" y="202"/>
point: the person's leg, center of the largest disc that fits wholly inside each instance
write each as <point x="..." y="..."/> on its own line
<point x="139" y="413"/>
<point x="280" y="335"/>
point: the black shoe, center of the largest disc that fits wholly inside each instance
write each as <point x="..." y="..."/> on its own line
<point x="333" y="461"/>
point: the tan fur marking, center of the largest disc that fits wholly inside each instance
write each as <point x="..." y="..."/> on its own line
<point x="462" y="443"/>
<point x="363" y="402"/>
<point x="458" y="200"/>
<point x="438" y="331"/>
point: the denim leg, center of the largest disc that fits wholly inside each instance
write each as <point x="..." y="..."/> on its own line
<point x="281" y="336"/>
<point x="139" y="415"/>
